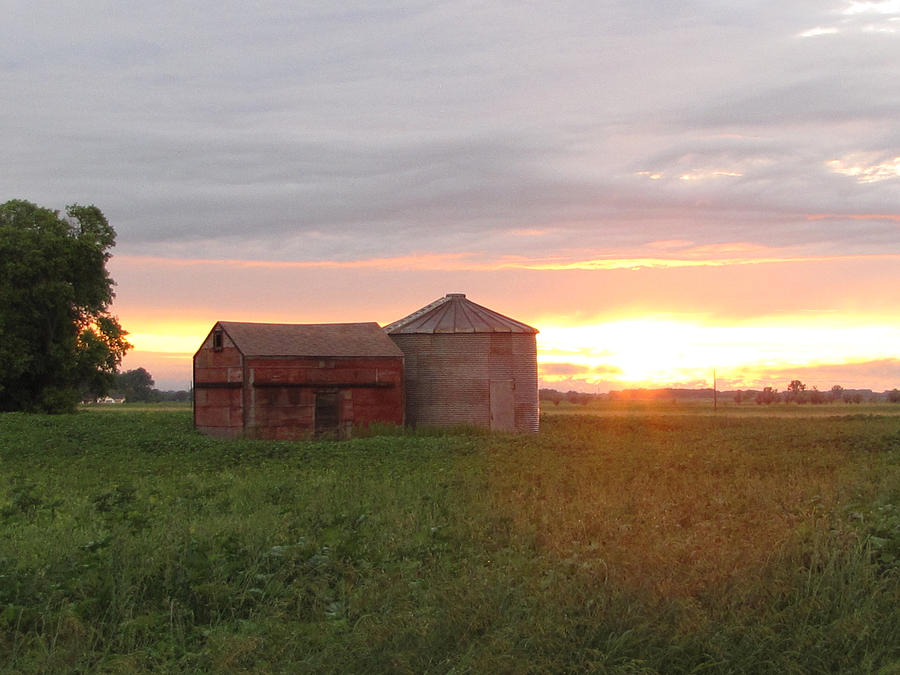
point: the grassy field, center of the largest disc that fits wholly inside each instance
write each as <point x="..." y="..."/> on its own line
<point x="626" y="541"/>
<point x="725" y="408"/>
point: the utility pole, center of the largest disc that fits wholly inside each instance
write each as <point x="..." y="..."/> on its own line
<point x="715" y="392"/>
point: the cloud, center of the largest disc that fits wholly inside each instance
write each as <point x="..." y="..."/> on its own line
<point x="860" y="17"/>
<point x="879" y="375"/>
<point x="568" y="369"/>
<point x="819" y="31"/>
<point x="884" y="7"/>
<point x="605" y="370"/>
<point x="317" y="132"/>
<point x="867" y="168"/>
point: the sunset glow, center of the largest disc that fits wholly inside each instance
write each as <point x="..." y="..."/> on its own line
<point x="682" y="352"/>
<point x="648" y="351"/>
<point x="756" y="314"/>
<point x="179" y="340"/>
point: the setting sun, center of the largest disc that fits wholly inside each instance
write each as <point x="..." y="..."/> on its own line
<point x="683" y="352"/>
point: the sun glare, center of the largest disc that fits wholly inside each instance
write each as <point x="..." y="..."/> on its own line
<point x="169" y="338"/>
<point x="683" y="351"/>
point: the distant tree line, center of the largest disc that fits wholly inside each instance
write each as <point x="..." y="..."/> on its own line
<point x="556" y="397"/>
<point x="796" y="392"/>
<point x="136" y="386"/>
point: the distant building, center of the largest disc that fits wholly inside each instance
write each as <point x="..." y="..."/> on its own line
<point x="295" y="381"/>
<point x="467" y="364"/>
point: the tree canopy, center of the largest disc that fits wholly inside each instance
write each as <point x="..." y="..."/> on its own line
<point x="58" y="340"/>
<point x="135" y="385"/>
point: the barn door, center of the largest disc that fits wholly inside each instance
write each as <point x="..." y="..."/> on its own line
<point x="503" y="406"/>
<point x="328" y="409"/>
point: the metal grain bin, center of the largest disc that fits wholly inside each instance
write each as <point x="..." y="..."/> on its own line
<point x="467" y="364"/>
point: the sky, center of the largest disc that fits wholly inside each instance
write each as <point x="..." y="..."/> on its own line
<point x="662" y="189"/>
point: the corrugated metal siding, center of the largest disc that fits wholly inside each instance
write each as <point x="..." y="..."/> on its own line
<point x="524" y="370"/>
<point x="448" y="377"/>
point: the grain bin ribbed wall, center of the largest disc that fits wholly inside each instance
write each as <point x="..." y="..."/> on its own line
<point x="466" y="364"/>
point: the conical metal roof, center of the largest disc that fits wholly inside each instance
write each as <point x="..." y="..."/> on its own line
<point x="454" y="313"/>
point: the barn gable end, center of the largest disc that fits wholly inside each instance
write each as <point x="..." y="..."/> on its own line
<point x="218" y="382"/>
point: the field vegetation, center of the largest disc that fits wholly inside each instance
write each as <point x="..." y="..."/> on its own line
<point x="636" y="540"/>
<point x="723" y="408"/>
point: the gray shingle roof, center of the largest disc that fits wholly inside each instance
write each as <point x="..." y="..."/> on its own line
<point x="454" y="313"/>
<point x="310" y="339"/>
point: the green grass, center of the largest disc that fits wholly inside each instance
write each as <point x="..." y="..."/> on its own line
<point x="135" y="407"/>
<point x="652" y="541"/>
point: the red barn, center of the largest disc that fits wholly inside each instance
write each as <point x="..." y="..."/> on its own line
<point x="294" y="381"/>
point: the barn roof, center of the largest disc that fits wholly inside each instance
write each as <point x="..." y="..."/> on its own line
<point x="310" y="339"/>
<point x="454" y="313"/>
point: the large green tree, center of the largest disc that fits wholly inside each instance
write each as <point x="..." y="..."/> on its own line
<point x="58" y="339"/>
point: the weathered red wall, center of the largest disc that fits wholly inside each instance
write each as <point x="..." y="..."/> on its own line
<point x="274" y="398"/>
<point x="282" y="393"/>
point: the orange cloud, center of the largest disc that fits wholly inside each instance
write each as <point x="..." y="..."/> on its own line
<point x="710" y="255"/>
<point x="648" y="262"/>
<point x="566" y="369"/>
<point x="854" y="216"/>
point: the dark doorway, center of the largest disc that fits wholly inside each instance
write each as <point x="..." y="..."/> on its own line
<point x="328" y="406"/>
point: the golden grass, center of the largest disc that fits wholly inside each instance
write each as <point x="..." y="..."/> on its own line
<point x="675" y="507"/>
